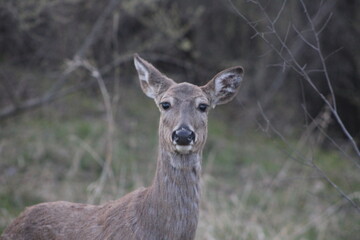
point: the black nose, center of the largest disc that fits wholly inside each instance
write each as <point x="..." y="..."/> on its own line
<point x="183" y="136"/>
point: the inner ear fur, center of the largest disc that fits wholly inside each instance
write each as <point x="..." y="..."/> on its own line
<point x="152" y="81"/>
<point x="224" y="85"/>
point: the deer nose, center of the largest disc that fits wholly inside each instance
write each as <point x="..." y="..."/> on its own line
<point x="183" y="136"/>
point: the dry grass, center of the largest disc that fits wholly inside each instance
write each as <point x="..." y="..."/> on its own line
<point x="251" y="190"/>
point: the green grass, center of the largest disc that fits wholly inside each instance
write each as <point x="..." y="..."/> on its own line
<point x="252" y="188"/>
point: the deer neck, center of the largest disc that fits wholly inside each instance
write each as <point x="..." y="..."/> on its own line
<point x="172" y="200"/>
<point x="177" y="181"/>
<point x="177" y="172"/>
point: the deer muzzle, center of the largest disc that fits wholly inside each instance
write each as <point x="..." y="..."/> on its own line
<point x="183" y="136"/>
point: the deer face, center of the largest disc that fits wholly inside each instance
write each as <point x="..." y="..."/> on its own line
<point x="183" y="121"/>
<point x="184" y="107"/>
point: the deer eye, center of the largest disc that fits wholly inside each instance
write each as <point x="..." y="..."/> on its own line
<point x="203" y="107"/>
<point x="165" y="105"/>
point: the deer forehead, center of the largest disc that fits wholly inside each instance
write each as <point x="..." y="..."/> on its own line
<point x="185" y="92"/>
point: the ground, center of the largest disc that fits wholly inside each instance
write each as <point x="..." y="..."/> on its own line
<point x="252" y="185"/>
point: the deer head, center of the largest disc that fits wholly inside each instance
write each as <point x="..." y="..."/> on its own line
<point x="184" y="107"/>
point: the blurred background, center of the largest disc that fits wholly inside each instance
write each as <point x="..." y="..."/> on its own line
<point x="282" y="160"/>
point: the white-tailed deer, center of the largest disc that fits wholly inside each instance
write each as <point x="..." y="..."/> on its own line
<point x="169" y="208"/>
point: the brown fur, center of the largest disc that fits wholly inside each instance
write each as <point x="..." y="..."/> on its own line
<point x="169" y="208"/>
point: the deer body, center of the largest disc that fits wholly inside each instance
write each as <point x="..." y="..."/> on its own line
<point x="169" y="208"/>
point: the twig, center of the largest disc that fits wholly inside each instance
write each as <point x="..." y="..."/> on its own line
<point x="290" y="154"/>
<point x="310" y="163"/>
<point x="289" y="59"/>
<point x="110" y="130"/>
<point x="293" y="63"/>
<point x="315" y="124"/>
<point x="319" y="51"/>
<point x="97" y="28"/>
<point x="304" y="39"/>
<point x="280" y="12"/>
<point x="325" y="24"/>
<point x="338" y="189"/>
<point x="53" y="92"/>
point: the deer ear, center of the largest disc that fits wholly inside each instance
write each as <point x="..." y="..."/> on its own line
<point x="224" y="86"/>
<point x="152" y="81"/>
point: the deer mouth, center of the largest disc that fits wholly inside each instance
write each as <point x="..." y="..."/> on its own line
<point x="183" y="149"/>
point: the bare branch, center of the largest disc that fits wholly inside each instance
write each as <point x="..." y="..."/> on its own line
<point x="279" y="13"/>
<point x="293" y="63"/>
<point x="315" y="124"/>
<point x="98" y="26"/>
<point x="293" y="154"/>
<point x="322" y="59"/>
<point x="333" y="52"/>
<point x="98" y="187"/>
<point x="54" y="91"/>
<point x="310" y="163"/>
<point x="286" y="54"/>
<point x="327" y="77"/>
<point x="286" y="36"/>
<point x="304" y="39"/>
<point x="325" y="24"/>
<point x="338" y="189"/>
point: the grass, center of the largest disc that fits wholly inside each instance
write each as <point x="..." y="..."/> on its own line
<point x="251" y="189"/>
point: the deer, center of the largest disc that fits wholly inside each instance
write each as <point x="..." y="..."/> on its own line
<point x="168" y="209"/>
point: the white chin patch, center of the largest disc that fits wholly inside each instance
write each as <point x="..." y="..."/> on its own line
<point x="183" y="149"/>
